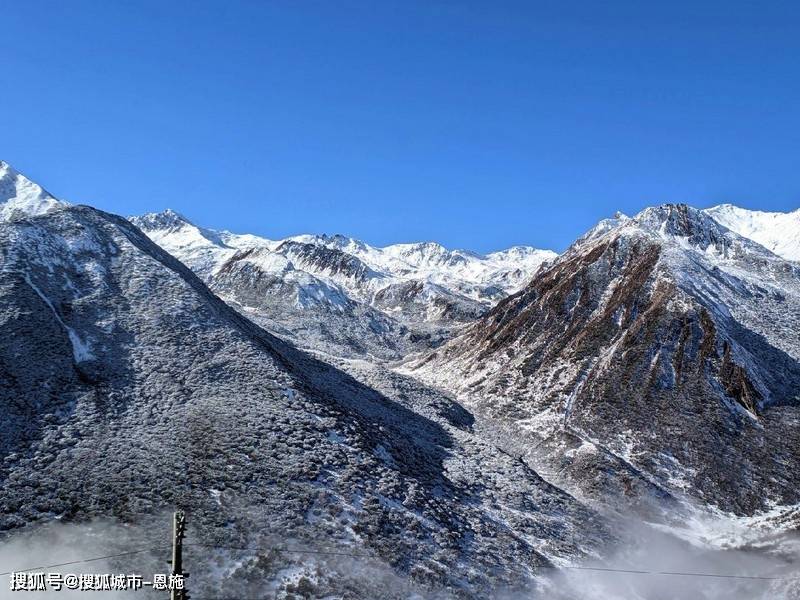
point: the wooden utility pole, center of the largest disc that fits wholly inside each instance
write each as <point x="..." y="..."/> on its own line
<point x="178" y="531"/>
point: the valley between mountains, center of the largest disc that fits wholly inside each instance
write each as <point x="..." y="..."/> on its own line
<point x="414" y="421"/>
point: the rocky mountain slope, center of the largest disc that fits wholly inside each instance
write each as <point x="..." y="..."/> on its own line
<point x="657" y="358"/>
<point x="342" y="296"/>
<point x="651" y="372"/>
<point x="778" y="232"/>
<point x="127" y="387"/>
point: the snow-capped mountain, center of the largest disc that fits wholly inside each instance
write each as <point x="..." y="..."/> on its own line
<point x="776" y="231"/>
<point x="653" y="370"/>
<point x="20" y="197"/>
<point x="658" y="356"/>
<point x="129" y="388"/>
<point x="344" y="296"/>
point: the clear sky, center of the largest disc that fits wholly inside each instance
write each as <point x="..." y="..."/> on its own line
<point x="476" y="124"/>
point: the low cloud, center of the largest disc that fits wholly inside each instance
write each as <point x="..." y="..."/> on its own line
<point x="270" y="572"/>
<point x="35" y="548"/>
<point x="675" y="568"/>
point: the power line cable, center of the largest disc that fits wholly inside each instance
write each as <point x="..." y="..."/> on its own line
<point x="555" y="567"/>
<point x="85" y="560"/>
<point x="350" y="554"/>
<point x="676" y="573"/>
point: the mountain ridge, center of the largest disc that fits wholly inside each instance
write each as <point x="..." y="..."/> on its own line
<point x="362" y="300"/>
<point x="665" y="308"/>
<point x="425" y="250"/>
<point x="776" y="231"/>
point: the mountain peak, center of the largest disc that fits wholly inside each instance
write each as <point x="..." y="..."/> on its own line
<point x="342" y="242"/>
<point x="684" y="226"/>
<point x="522" y="254"/>
<point x="776" y="231"/>
<point x="679" y="220"/>
<point x="167" y="219"/>
<point x="724" y="228"/>
<point x="20" y="197"/>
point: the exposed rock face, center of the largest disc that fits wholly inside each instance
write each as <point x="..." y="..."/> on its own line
<point x="128" y="387"/>
<point x="666" y="343"/>
<point x="330" y="261"/>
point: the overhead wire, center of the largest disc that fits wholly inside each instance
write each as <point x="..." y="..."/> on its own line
<point x="353" y="555"/>
<point x="86" y="560"/>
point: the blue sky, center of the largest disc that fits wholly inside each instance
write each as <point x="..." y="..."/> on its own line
<point x="477" y="124"/>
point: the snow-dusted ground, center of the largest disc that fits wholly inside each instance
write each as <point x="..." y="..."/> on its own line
<point x="20" y="197"/>
<point x="363" y="300"/>
<point x="110" y="347"/>
<point x="777" y="231"/>
<point x="182" y="401"/>
<point x="652" y="368"/>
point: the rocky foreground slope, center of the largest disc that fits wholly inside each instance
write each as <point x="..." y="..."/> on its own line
<point x="127" y="388"/>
